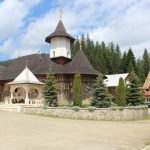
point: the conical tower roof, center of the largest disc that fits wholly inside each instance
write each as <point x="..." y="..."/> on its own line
<point x="80" y="64"/>
<point x="26" y="76"/>
<point x="60" y="31"/>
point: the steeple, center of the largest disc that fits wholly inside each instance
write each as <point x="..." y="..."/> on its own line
<point x="60" y="42"/>
<point x="60" y="31"/>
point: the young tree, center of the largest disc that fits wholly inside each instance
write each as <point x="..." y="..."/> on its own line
<point x="77" y="91"/>
<point x="101" y="98"/>
<point x="49" y="91"/>
<point x="120" y="93"/>
<point x="134" y="94"/>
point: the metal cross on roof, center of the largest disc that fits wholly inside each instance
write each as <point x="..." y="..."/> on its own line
<point x="60" y="12"/>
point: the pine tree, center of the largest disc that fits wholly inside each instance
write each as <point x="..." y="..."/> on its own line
<point x="123" y="64"/>
<point x="120" y="93"/>
<point x="101" y="98"/>
<point x="146" y="63"/>
<point x="77" y="91"/>
<point x="131" y="62"/>
<point x="49" y="91"/>
<point x="134" y="94"/>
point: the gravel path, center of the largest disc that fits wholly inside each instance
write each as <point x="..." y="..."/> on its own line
<point x="29" y="132"/>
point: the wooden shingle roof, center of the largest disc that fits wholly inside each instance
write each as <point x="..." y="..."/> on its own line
<point x="60" y="31"/>
<point x="41" y="64"/>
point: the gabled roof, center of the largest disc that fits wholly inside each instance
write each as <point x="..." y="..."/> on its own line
<point x="26" y="76"/>
<point x="60" y="31"/>
<point x="147" y="82"/>
<point x="113" y="79"/>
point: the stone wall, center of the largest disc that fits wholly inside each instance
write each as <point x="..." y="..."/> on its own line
<point x="131" y="113"/>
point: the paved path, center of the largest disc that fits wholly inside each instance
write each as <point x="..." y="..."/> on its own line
<point x="28" y="132"/>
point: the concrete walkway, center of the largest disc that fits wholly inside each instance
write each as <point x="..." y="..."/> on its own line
<point x="28" y="132"/>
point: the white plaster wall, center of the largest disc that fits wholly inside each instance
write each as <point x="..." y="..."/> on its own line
<point x="60" y="46"/>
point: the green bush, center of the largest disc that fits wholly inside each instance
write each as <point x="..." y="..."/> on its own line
<point x="76" y="108"/>
<point x="91" y="108"/>
<point x="120" y="93"/>
<point x="77" y="91"/>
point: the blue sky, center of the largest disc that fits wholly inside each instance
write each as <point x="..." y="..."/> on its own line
<point x="26" y="23"/>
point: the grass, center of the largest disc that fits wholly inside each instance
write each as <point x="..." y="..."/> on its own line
<point x="147" y="117"/>
<point x="147" y="143"/>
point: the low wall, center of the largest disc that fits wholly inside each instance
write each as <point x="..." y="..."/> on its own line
<point x="11" y="108"/>
<point x="131" y="113"/>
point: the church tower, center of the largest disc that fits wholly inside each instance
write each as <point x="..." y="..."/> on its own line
<point x="60" y="42"/>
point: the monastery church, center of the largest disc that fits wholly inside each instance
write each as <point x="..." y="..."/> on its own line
<point x="22" y="82"/>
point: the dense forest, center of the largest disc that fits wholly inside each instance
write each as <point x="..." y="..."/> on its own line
<point x="108" y="59"/>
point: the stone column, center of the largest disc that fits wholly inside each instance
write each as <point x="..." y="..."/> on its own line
<point x="11" y="96"/>
<point x="27" y="97"/>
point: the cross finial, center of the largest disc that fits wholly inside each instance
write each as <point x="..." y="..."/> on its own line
<point x="60" y="13"/>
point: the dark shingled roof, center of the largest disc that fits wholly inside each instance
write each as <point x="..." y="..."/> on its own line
<point x="2" y="69"/>
<point x="60" y="31"/>
<point x="41" y="64"/>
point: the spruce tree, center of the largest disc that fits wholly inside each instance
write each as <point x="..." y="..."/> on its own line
<point x="101" y="98"/>
<point x="134" y="94"/>
<point x="77" y="91"/>
<point x="49" y="91"/>
<point x="120" y="93"/>
<point x="146" y="63"/>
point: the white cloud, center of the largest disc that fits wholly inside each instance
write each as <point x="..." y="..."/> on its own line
<point x="12" y="13"/>
<point x="124" y="22"/>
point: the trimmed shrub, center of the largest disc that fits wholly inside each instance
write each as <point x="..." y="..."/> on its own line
<point x="77" y="91"/>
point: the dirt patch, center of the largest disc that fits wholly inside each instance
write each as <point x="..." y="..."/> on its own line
<point x="29" y="132"/>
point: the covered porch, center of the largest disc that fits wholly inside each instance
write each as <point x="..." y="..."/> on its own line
<point x="25" y="89"/>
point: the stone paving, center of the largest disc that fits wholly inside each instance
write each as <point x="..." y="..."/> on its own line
<point x="29" y="132"/>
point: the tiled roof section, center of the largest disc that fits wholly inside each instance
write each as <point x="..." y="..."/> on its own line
<point x="16" y="66"/>
<point x="80" y="64"/>
<point x="2" y="70"/>
<point x="41" y="64"/>
<point x="147" y="82"/>
<point x="60" y="31"/>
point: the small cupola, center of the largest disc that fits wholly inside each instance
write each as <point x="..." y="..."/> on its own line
<point x="60" y="42"/>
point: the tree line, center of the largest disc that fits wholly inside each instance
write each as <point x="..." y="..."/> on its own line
<point x="108" y="58"/>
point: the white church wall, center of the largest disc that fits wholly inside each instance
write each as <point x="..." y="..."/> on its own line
<point x="60" y="46"/>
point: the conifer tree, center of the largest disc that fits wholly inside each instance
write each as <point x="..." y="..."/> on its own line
<point x="123" y="65"/>
<point x="120" y="93"/>
<point x="101" y="98"/>
<point x="134" y="94"/>
<point x="49" y="91"/>
<point x="146" y="63"/>
<point x="77" y="91"/>
<point x="131" y="62"/>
